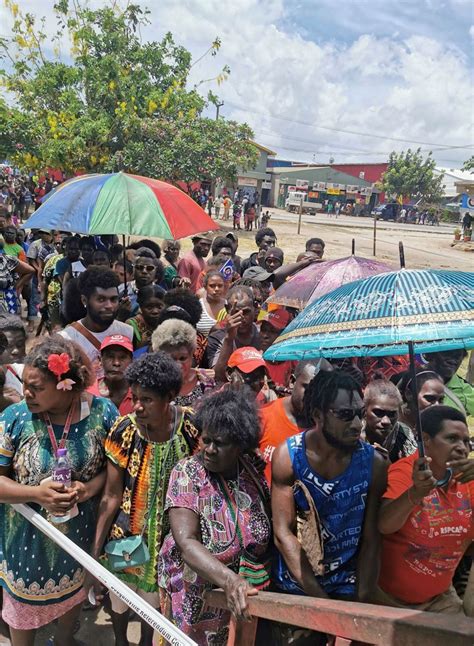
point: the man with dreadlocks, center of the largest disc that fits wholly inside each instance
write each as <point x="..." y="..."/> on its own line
<point x="345" y="478"/>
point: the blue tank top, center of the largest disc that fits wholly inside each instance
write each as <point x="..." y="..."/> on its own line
<point x="341" y="507"/>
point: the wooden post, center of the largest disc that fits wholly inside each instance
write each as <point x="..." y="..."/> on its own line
<point x="300" y="215"/>
<point x="375" y="235"/>
<point x="242" y="633"/>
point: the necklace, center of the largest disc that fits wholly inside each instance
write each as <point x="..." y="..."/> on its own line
<point x="159" y="483"/>
<point x="226" y="490"/>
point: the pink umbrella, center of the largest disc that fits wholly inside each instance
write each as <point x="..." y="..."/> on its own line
<point x="320" y="278"/>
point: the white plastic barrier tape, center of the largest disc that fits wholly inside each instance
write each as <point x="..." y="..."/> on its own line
<point x="146" y="612"/>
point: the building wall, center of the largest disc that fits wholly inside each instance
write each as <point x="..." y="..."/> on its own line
<point x="372" y="172"/>
<point x="261" y="165"/>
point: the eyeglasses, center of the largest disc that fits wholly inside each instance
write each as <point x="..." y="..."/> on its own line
<point x="145" y="267"/>
<point x="348" y="414"/>
<point x="381" y="413"/>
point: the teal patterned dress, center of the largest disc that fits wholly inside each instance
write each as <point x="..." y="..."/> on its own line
<point x="33" y="569"/>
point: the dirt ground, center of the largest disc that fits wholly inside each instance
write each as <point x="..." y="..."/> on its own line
<point x="425" y="247"/>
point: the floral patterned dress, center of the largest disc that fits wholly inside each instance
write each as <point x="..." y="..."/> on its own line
<point x="34" y="570"/>
<point x="147" y="468"/>
<point x="193" y="487"/>
<point x="205" y="384"/>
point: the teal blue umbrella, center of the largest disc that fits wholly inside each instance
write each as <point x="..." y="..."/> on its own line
<point x="399" y="312"/>
<point x="380" y="315"/>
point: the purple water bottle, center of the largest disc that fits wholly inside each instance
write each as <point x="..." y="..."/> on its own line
<point x="61" y="473"/>
<point x="62" y="468"/>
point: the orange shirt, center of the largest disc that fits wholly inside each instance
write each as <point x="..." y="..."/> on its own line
<point x="276" y="429"/>
<point x="418" y="561"/>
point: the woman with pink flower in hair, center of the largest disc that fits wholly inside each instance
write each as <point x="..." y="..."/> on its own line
<point x="42" y="582"/>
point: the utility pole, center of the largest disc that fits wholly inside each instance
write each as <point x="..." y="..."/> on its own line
<point x="300" y="214"/>
<point x="218" y="105"/>
<point x="375" y="234"/>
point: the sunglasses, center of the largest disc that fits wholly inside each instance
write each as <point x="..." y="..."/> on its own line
<point x="381" y="413"/>
<point x="348" y="414"/>
<point x="145" y="267"/>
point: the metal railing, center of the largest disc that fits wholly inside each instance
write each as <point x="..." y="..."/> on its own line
<point x="349" y="620"/>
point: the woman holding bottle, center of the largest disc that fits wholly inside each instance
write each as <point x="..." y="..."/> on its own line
<point x="42" y="582"/>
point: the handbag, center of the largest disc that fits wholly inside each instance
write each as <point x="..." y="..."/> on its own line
<point x="132" y="551"/>
<point x="308" y="531"/>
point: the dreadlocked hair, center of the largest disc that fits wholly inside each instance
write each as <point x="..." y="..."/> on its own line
<point x="322" y="390"/>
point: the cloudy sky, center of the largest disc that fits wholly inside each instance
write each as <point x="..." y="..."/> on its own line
<point x="351" y="80"/>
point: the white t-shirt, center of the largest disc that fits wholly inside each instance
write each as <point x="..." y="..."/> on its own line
<point x="77" y="268"/>
<point x="117" y="327"/>
<point x="206" y="322"/>
<point x="34" y="249"/>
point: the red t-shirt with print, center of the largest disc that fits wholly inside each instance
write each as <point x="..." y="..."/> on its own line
<point x="418" y="561"/>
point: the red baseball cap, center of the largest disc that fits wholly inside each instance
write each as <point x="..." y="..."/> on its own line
<point x="246" y="359"/>
<point x="117" y="339"/>
<point x="278" y="318"/>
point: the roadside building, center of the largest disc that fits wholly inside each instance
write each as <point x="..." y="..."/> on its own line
<point x="322" y="185"/>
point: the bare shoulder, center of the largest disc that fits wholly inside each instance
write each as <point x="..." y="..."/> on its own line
<point x="379" y="472"/>
<point x="282" y="469"/>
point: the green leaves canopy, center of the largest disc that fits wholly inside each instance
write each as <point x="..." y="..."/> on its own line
<point x="115" y="104"/>
<point x="409" y="175"/>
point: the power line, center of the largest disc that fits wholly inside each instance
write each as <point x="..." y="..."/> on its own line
<point x="345" y="148"/>
<point x="350" y="132"/>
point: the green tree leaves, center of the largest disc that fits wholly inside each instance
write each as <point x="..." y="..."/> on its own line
<point x="409" y="175"/>
<point x="112" y="101"/>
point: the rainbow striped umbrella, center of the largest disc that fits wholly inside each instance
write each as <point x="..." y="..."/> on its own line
<point x="122" y="204"/>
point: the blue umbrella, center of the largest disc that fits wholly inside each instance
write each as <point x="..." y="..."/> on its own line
<point x="380" y="315"/>
<point x="399" y="312"/>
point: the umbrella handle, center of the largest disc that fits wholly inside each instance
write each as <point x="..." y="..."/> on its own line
<point x="419" y="435"/>
<point x="414" y="392"/>
<point x="125" y="290"/>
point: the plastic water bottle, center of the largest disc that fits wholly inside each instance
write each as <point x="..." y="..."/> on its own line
<point x="61" y="473"/>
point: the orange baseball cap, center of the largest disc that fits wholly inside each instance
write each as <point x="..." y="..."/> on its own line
<point x="246" y="359"/>
<point x="117" y="339"/>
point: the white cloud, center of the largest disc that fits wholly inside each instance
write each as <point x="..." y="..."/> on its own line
<point x="412" y="85"/>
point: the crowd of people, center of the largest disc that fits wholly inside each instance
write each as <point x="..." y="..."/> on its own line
<point x="21" y="193"/>
<point x="196" y="463"/>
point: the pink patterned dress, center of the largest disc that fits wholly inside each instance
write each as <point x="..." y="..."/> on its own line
<point x="192" y="486"/>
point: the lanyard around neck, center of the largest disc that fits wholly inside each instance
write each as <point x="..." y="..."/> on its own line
<point x="67" y="427"/>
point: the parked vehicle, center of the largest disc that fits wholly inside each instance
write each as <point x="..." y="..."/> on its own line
<point x="387" y="211"/>
<point x="293" y="202"/>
